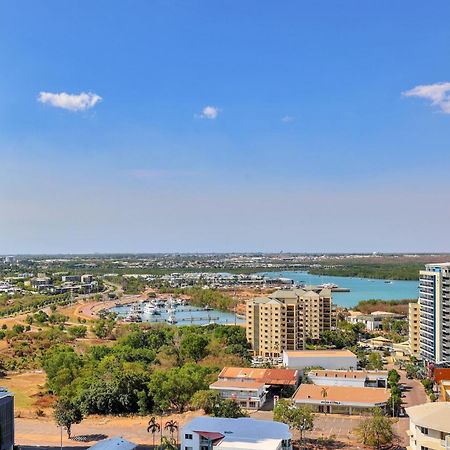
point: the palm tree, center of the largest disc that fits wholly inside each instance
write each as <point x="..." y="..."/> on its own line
<point x="172" y="427"/>
<point x="153" y="427"/>
<point x="324" y="394"/>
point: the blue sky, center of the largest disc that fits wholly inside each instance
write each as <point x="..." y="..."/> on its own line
<point x="224" y="126"/>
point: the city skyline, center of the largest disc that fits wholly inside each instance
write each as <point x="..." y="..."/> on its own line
<point x="302" y="127"/>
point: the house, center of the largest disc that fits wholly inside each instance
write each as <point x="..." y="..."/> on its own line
<point x="350" y="378"/>
<point x="327" y="359"/>
<point x="115" y="443"/>
<point x="211" y="433"/>
<point x="341" y="399"/>
<point x="379" y="343"/>
<point x="372" y="321"/>
<point x="248" y="394"/>
<point x="429" y="426"/>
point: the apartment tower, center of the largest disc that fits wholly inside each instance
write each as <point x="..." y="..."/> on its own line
<point x="434" y="303"/>
<point x="286" y="318"/>
<point x="414" y="329"/>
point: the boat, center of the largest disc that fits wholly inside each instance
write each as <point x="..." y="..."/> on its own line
<point x="328" y="286"/>
<point x="151" y="310"/>
<point x="136" y="308"/>
<point x="132" y="318"/>
<point x="171" y="319"/>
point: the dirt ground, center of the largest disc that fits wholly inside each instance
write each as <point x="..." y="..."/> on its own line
<point x="43" y="431"/>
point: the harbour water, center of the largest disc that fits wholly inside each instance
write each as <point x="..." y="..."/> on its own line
<point x="185" y="315"/>
<point x="360" y="288"/>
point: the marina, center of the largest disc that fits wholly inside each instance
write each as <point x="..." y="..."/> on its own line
<point x="174" y="312"/>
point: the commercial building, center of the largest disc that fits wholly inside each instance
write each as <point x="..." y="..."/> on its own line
<point x="6" y="420"/>
<point x="341" y="399"/>
<point x="248" y="394"/>
<point x="434" y="303"/>
<point x="327" y="359"/>
<point x="210" y="433"/>
<point x="286" y="318"/>
<point x="350" y="378"/>
<point x="414" y="329"/>
<point x="429" y="426"/>
<point x="249" y="386"/>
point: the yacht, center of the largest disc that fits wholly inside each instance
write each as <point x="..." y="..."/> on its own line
<point x="171" y="319"/>
<point x="151" y="309"/>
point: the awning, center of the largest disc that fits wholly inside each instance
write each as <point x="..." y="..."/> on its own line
<point x="210" y="435"/>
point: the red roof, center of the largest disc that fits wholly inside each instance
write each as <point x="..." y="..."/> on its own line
<point x="266" y="376"/>
<point x="210" y="435"/>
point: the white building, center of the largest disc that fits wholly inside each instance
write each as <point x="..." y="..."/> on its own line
<point x="350" y="378"/>
<point x="429" y="426"/>
<point x="327" y="359"/>
<point x="373" y="321"/>
<point x="341" y="399"/>
<point x="210" y="433"/>
<point x="248" y="394"/>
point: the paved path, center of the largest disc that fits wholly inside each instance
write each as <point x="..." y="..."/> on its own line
<point x="414" y="394"/>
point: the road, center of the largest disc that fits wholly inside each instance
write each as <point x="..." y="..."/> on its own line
<point x="414" y="395"/>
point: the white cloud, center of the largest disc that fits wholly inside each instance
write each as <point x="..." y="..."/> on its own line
<point x="438" y="93"/>
<point x="72" y="102"/>
<point x="287" y="119"/>
<point x="209" y="112"/>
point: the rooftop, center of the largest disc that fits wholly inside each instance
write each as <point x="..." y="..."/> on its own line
<point x="115" y="443"/>
<point x="242" y="433"/>
<point x="267" y="376"/>
<point x="342" y="394"/>
<point x="237" y="384"/>
<point x="355" y="374"/>
<point x="431" y="415"/>
<point x="319" y="353"/>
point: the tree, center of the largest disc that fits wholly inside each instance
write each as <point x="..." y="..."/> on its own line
<point x="205" y="399"/>
<point x="78" y="331"/>
<point x="172" y="427"/>
<point x="375" y="362"/>
<point x="228" y="408"/>
<point x="193" y="346"/>
<point x="299" y="418"/>
<point x="153" y="427"/>
<point x="393" y="378"/>
<point x="175" y="387"/>
<point x="168" y="444"/>
<point x="67" y="414"/>
<point x="376" y="430"/>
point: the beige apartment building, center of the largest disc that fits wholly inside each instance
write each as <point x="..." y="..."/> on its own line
<point x="414" y="329"/>
<point x="286" y="318"/>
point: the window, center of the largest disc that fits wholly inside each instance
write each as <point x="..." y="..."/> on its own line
<point x="188" y="448"/>
<point x="188" y="436"/>
<point x="423" y="430"/>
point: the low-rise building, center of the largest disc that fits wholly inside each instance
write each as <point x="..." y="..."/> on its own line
<point x="341" y="399"/>
<point x="327" y="359"/>
<point x="71" y="278"/>
<point x="248" y="394"/>
<point x="372" y="321"/>
<point x="350" y="378"/>
<point x="210" y="433"/>
<point x="429" y="426"/>
<point x="270" y="377"/>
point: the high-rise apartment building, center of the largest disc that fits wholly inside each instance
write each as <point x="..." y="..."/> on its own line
<point x="286" y="318"/>
<point x="414" y="329"/>
<point x="434" y="302"/>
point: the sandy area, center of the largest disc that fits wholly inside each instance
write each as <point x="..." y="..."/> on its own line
<point x="44" y="431"/>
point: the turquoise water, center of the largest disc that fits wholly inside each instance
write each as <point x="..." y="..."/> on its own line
<point x="360" y="288"/>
